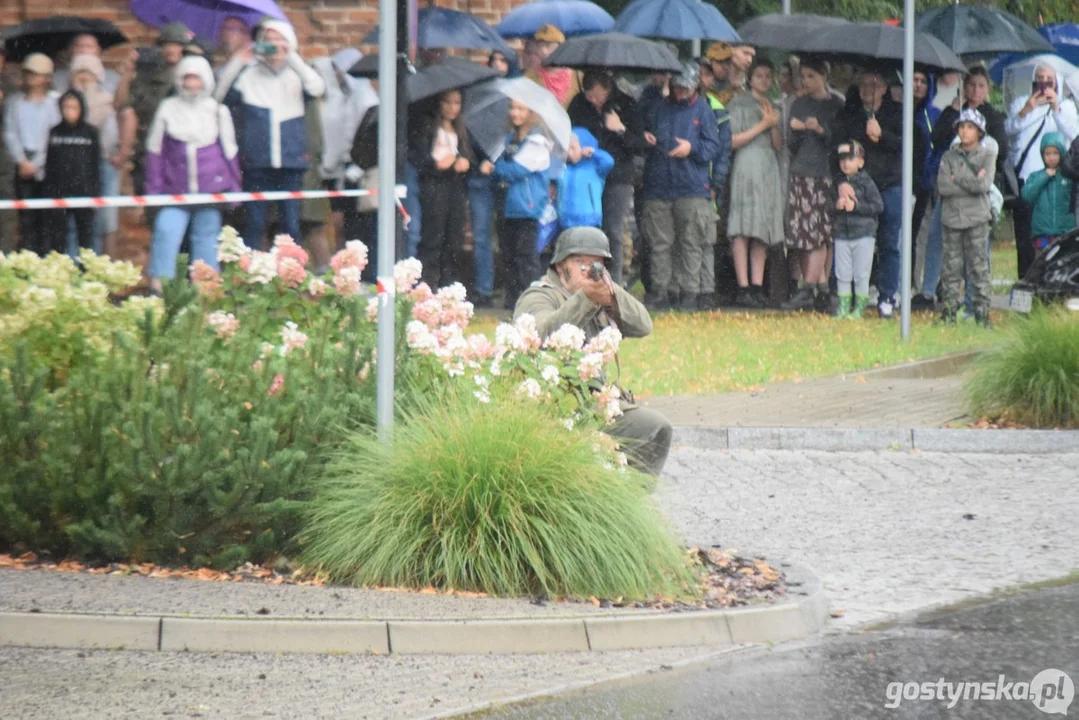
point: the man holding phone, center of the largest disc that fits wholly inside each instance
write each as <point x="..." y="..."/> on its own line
<point x="1030" y="118"/>
<point x="577" y="290"/>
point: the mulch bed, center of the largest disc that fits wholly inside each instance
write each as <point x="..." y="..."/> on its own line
<point x="727" y="579"/>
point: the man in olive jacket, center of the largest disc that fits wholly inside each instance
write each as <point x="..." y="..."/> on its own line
<point x="567" y="295"/>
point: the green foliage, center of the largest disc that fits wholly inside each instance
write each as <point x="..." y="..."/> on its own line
<point x="1033" y="377"/>
<point x="499" y="498"/>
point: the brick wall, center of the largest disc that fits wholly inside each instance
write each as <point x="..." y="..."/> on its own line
<point x="322" y="26"/>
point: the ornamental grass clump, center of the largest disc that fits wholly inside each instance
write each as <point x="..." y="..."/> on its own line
<point x="495" y="497"/>
<point x="1032" y="378"/>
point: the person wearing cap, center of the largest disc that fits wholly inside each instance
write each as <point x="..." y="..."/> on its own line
<point x="679" y="217"/>
<point x="562" y="82"/>
<point x="966" y="174"/>
<point x="856" y="203"/>
<point x="84" y="44"/>
<point x="877" y="123"/>
<point x="143" y="87"/>
<point x="719" y="60"/>
<point x="269" y="99"/>
<point x="29" y="115"/>
<point x="572" y="293"/>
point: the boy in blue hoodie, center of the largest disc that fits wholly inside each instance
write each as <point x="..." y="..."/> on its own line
<point x="1049" y="194"/>
<point x="580" y="190"/>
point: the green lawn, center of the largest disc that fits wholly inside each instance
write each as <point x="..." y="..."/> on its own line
<point x="718" y="352"/>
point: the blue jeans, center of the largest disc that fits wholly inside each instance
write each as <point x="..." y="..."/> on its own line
<point x="481" y="200"/>
<point x="413" y="208"/>
<point x="171" y="225"/>
<point x="934" y="253"/>
<point x="107" y="220"/>
<point x="269" y="180"/>
<point x="888" y="234"/>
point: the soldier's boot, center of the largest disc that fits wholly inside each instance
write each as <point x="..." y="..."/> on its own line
<point x="843" y="311"/>
<point x="947" y="315"/>
<point x="982" y="318"/>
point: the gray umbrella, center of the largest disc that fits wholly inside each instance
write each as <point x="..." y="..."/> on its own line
<point x="451" y="74"/>
<point x="613" y="51"/>
<point x="974" y="30"/>
<point x="876" y="42"/>
<point x="785" y="32"/>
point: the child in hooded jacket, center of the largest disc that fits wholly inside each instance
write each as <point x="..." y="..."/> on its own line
<point x="1048" y="192"/>
<point x="522" y="169"/>
<point x="580" y="190"/>
<point x="72" y="169"/>
<point x="191" y="148"/>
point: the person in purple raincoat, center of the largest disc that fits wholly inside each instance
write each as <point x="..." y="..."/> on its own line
<point x="191" y="148"/>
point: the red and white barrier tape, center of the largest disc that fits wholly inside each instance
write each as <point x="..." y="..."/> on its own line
<point x="123" y="201"/>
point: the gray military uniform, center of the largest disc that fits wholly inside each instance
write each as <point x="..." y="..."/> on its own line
<point x="645" y="434"/>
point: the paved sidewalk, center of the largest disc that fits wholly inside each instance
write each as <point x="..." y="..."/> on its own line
<point x="921" y="394"/>
<point x="889" y="533"/>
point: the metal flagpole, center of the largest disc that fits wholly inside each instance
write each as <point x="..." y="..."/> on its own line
<point x="908" y="167"/>
<point x="786" y="7"/>
<point x="387" y="234"/>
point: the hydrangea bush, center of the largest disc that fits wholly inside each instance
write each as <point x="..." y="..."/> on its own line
<point x="187" y="428"/>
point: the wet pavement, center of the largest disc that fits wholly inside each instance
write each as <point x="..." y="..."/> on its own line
<point x="863" y="675"/>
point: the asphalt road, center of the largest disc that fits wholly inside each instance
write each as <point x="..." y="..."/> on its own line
<point x="862" y="675"/>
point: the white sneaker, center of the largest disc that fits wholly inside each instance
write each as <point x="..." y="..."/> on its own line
<point x="886" y="310"/>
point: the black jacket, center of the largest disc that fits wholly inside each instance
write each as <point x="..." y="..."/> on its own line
<point x="622" y="146"/>
<point x="884" y="159"/>
<point x="422" y="140"/>
<point x="1069" y="165"/>
<point x="944" y="131"/>
<point x="862" y="221"/>
<point x="73" y="159"/>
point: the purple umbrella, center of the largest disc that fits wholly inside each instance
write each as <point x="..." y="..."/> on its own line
<point x="204" y="17"/>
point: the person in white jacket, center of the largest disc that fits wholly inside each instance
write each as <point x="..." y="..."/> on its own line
<point x="1044" y="110"/>
<point x="268" y="98"/>
<point x="346" y="101"/>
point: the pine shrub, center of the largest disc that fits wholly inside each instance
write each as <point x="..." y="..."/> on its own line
<point x="1033" y="376"/>
<point x="494" y="497"/>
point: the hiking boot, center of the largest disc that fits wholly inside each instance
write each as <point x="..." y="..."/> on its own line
<point x="947" y="316"/>
<point x="843" y="311"/>
<point x="921" y="301"/>
<point x="706" y="302"/>
<point x="747" y="298"/>
<point x="802" y="300"/>
<point x="861" y="303"/>
<point x="688" y="303"/>
<point x="656" y="303"/>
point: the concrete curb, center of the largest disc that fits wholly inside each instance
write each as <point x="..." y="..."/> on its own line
<point x="868" y="439"/>
<point x="796" y="617"/>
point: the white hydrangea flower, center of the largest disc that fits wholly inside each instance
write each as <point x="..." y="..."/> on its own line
<point x="420" y="338"/>
<point x="406" y="273"/>
<point x="230" y="246"/>
<point x="551" y="375"/>
<point x="262" y="268"/>
<point x="567" y="337"/>
<point x="530" y="388"/>
<point x="590" y="366"/>
<point x="605" y="343"/>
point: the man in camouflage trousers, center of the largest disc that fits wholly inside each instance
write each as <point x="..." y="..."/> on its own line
<point x="566" y="294"/>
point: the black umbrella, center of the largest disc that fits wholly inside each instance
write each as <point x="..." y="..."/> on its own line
<point x="785" y="32"/>
<point x="53" y="35"/>
<point x="881" y="44"/>
<point x="614" y="51"/>
<point x="974" y="30"/>
<point x="451" y="74"/>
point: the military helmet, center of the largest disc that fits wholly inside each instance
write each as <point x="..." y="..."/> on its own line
<point x="581" y="241"/>
<point x="175" y="32"/>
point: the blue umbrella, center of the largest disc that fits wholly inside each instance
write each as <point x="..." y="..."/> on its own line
<point x="443" y="28"/>
<point x="675" y="20"/>
<point x="1064" y="38"/>
<point x="572" y="17"/>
